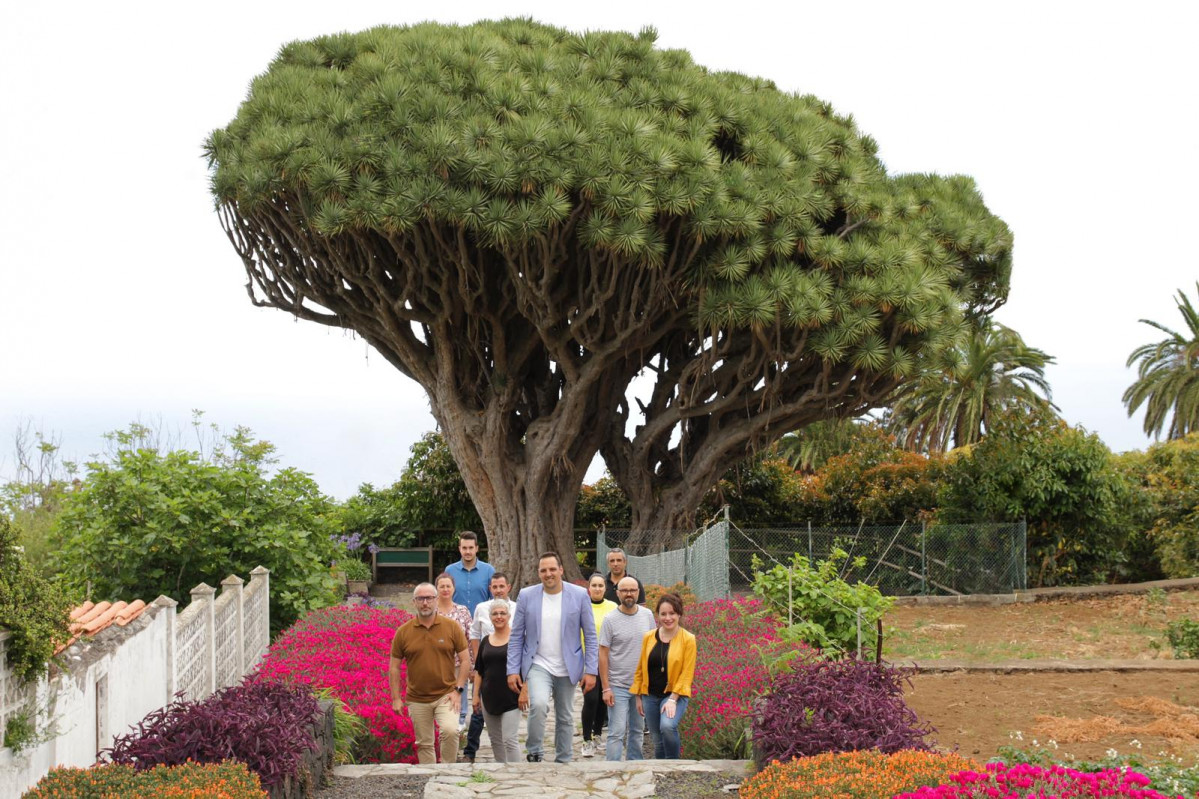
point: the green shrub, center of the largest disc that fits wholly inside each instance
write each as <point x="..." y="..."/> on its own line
<point x="225" y="780"/>
<point x="35" y="610"/>
<point x="146" y="523"/>
<point x="820" y="603"/>
<point x="1183" y="636"/>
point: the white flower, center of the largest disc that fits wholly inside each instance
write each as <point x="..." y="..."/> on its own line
<point x="1052" y="744"/>
<point x="1135" y="742"/>
<point x="1111" y="753"/>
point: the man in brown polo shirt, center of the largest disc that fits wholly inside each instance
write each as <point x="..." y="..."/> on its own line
<point x="428" y="643"/>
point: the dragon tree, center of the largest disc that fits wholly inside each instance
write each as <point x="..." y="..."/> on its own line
<point x="524" y="220"/>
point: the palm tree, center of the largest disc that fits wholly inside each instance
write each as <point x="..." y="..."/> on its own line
<point x="951" y="401"/>
<point x="808" y="448"/>
<point x="1168" y="376"/>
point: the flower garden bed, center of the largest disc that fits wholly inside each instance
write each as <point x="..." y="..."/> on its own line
<point x="346" y="650"/>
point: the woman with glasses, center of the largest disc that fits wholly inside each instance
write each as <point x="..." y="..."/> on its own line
<point x="498" y="702"/>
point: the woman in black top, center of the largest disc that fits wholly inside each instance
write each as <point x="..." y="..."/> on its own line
<point x="492" y="694"/>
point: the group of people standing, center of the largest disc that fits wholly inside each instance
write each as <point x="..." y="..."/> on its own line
<point x="634" y="666"/>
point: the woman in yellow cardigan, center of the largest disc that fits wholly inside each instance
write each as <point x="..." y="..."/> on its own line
<point x="662" y="682"/>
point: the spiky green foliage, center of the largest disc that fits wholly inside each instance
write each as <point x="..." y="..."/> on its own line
<point x="809" y="448"/>
<point x="964" y="387"/>
<point x="1167" y="381"/>
<point x="522" y="219"/>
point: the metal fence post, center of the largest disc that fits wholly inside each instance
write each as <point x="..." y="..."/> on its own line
<point x="923" y="558"/>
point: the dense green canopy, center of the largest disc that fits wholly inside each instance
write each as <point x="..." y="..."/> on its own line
<point x="523" y="219"/>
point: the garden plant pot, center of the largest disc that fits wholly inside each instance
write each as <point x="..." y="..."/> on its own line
<point x="357" y="586"/>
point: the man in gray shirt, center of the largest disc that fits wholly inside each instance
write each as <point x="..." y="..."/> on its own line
<point x="619" y="649"/>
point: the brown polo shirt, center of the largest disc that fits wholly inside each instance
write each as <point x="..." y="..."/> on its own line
<point x="429" y="652"/>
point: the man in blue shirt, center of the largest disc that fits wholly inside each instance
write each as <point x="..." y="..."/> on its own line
<point x="472" y="586"/>
<point x="472" y="577"/>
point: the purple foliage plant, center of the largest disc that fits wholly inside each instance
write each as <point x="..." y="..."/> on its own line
<point x="836" y="706"/>
<point x="266" y="725"/>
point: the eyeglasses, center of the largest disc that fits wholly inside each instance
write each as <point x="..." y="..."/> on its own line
<point x="425" y="598"/>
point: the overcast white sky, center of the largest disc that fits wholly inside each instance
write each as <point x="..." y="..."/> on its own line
<point x="122" y="299"/>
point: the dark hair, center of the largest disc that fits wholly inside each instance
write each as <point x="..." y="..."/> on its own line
<point x="553" y="555"/>
<point x="594" y="575"/>
<point x="500" y="576"/>
<point x="467" y="535"/>
<point x="447" y="576"/>
<point x="674" y="600"/>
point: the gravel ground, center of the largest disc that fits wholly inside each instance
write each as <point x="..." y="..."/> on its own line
<point x="696" y="785"/>
<point x="373" y="788"/>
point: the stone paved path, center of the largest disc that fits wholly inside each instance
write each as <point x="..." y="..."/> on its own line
<point x="590" y="779"/>
<point x="583" y="777"/>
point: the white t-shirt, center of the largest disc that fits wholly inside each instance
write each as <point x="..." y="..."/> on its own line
<point x="549" y="651"/>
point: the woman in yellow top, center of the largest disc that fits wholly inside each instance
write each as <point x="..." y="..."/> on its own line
<point x="663" y="679"/>
<point x="595" y="712"/>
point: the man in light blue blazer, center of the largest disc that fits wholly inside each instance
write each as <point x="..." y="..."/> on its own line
<point x="552" y="648"/>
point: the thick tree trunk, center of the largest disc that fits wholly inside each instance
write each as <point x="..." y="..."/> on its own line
<point x="524" y="491"/>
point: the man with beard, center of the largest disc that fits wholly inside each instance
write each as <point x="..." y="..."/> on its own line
<point x="619" y="649"/>
<point x="552" y="648"/>
<point x="429" y="642"/>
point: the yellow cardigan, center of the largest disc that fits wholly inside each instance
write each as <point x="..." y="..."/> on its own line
<point x="680" y="664"/>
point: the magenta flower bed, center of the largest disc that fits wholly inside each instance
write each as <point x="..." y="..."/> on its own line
<point x="346" y="650"/>
<point x="1045" y="782"/>
<point x="734" y="643"/>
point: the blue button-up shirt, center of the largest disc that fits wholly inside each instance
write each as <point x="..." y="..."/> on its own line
<point x="471" y="586"/>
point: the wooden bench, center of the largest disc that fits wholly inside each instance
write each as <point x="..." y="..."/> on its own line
<point x="402" y="557"/>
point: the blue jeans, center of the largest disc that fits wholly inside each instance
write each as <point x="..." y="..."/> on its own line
<point x="541" y="685"/>
<point x="624" y="721"/>
<point x="664" y="732"/>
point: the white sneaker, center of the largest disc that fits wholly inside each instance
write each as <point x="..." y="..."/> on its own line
<point x="588" y="749"/>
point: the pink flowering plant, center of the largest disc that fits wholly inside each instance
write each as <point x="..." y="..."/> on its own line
<point x="736" y="640"/>
<point x="346" y="650"/>
<point x="1049" y="782"/>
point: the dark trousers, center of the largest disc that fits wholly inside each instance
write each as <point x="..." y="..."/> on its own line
<point x="595" y="713"/>
<point x="472" y="735"/>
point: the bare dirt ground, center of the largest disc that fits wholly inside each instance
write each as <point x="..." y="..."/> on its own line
<point x="1116" y="627"/>
<point x="1083" y="713"/>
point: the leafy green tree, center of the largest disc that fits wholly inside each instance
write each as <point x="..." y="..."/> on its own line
<point x="523" y="220"/>
<point x="34" y="610"/>
<point x="1169" y="477"/>
<point x="760" y="491"/>
<point x="955" y="397"/>
<point x="430" y="495"/>
<point x="1062" y="480"/>
<point x="32" y="498"/>
<point x="1167" y="381"/>
<point x="603" y="504"/>
<point x="874" y="482"/>
<point x="146" y="522"/>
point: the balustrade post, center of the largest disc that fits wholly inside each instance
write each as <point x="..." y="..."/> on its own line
<point x="167" y="607"/>
<point x="262" y="637"/>
<point x="204" y="594"/>
<point x="236" y="584"/>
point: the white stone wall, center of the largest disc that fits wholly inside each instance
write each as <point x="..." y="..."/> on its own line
<point x="113" y="681"/>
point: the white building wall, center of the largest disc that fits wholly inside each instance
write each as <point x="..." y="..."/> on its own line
<point x="108" y="685"/>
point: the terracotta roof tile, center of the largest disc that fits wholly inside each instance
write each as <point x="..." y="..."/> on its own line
<point x="90" y="618"/>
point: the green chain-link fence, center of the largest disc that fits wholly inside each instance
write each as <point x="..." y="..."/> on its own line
<point x="703" y="563"/>
<point x="901" y="559"/>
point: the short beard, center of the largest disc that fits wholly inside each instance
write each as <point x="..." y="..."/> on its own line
<point x="628" y="602"/>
